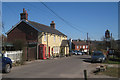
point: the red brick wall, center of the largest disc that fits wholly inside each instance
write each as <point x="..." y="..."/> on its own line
<point x="23" y="32"/>
<point x="16" y="34"/>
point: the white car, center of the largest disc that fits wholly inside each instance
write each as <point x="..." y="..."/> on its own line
<point x="79" y="53"/>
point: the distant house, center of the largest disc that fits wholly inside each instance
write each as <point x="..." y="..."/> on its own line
<point x="80" y="46"/>
<point x="42" y="41"/>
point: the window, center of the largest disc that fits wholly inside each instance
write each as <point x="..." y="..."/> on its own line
<point x="86" y="46"/>
<point x="54" y="37"/>
<point x="44" y="37"/>
<point x="83" y="46"/>
<point x="53" y="49"/>
<point x="60" y="38"/>
<point x="77" y="47"/>
<point x="58" y="49"/>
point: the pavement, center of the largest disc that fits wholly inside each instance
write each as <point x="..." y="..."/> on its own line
<point x="66" y="67"/>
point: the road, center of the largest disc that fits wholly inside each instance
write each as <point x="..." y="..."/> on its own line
<point x="66" y="67"/>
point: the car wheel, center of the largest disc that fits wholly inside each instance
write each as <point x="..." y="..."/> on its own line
<point x="7" y="68"/>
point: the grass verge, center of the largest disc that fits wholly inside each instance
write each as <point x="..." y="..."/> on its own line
<point x="113" y="61"/>
<point x="111" y="71"/>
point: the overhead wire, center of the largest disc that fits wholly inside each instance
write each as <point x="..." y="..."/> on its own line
<point x="61" y="18"/>
<point x="68" y="23"/>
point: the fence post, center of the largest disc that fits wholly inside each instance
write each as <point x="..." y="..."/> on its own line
<point x="85" y="74"/>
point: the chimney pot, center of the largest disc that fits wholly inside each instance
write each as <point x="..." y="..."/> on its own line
<point x="52" y="21"/>
<point x="25" y="11"/>
<point x="52" y="24"/>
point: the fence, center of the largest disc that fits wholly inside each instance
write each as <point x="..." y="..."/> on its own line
<point x="14" y="55"/>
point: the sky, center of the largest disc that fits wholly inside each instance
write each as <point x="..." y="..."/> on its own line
<point x="93" y="18"/>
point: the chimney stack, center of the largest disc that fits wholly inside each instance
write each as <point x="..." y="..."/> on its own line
<point x="52" y="24"/>
<point x="23" y="10"/>
<point x="24" y="15"/>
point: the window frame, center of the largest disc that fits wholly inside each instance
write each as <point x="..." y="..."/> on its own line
<point x="45" y="37"/>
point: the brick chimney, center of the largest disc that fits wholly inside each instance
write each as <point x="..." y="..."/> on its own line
<point x="24" y="15"/>
<point x="52" y="24"/>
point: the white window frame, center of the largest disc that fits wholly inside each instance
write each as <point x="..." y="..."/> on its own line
<point x="83" y="46"/>
<point x="86" y="46"/>
<point x="77" y="47"/>
<point x="44" y="37"/>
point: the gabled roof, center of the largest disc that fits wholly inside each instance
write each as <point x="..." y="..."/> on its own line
<point x="39" y="27"/>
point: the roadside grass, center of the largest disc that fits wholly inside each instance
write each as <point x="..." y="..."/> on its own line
<point x="112" y="60"/>
<point x="111" y="71"/>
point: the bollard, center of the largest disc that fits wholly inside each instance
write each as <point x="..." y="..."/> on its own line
<point x="85" y="74"/>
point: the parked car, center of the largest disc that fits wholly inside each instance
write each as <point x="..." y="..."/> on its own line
<point x="83" y="53"/>
<point x="79" y="53"/>
<point x="5" y="63"/>
<point x="74" y="52"/>
<point x="98" y="56"/>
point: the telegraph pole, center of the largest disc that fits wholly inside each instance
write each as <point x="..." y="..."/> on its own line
<point x="111" y="40"/>
<point x="87" y="36"/>
<point x="87" y="43"/>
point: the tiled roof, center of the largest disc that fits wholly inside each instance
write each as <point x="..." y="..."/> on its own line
<point x="39" y="27"/>
<point x="45" y="28"/>
<point x="79" y="42"/>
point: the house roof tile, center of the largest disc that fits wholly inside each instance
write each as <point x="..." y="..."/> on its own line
<point x="45" y="28"/>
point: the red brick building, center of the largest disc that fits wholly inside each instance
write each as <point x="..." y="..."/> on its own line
<point x="80" y="46"/>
